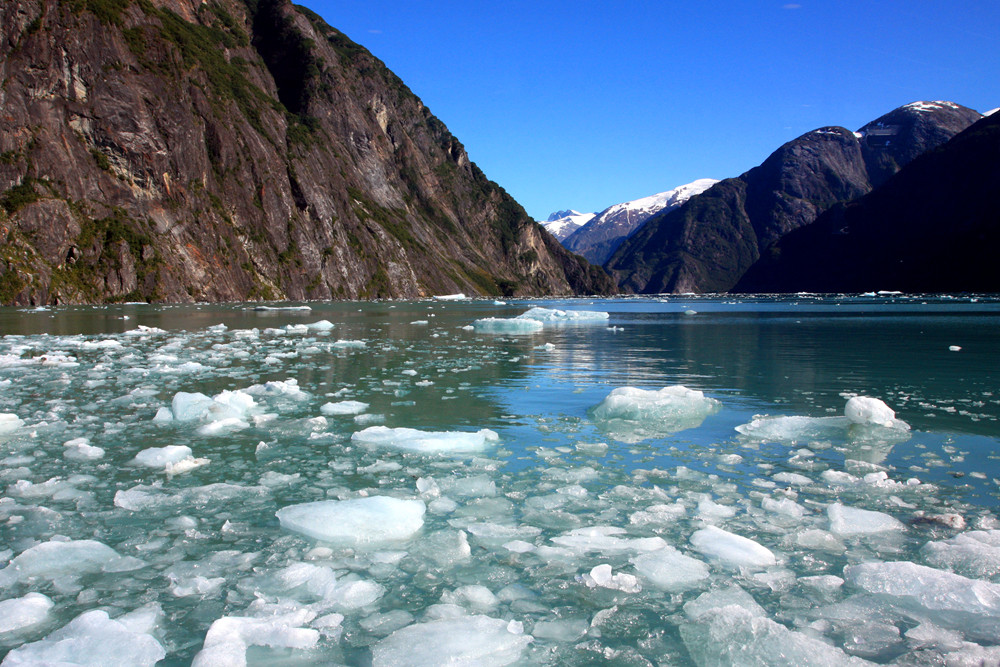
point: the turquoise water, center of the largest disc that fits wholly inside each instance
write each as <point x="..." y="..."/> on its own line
<point x="514" y="527"/>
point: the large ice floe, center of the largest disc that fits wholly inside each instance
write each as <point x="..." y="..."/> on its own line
<point x="630" y="414"/>
<point x="536" y="319"/>
<point x="418" y="495"/>
<point x="365" y="521"/>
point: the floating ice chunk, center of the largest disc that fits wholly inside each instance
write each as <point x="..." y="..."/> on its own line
<point x="356" y="594"/>
<point x="467" y="640"/>
<point x="943" y="598"/>
<point x="606" y="540"/>
<point x="92" y="638"/>
<point x="185" y="465"/>
<point x="602" y="576"/>
<point x="159" y="457"/>
<point x="451" y="297"/>
<point x="80" y="449"/>
<point x="954" y="348"/>
<point x="343" y="408"/>
<point x="9" y="422"/>
<point x="189" y="406"/>
<point x="507" y="325"/>
<point x="848" y="521"/>
<point x="740" y="634"/>
<point x="349" y="344"/>
<point x="629" y="414"/>
<point x="820" y="540"/>
<point x="791" y="478"/>
<point x="425" y="441"/>
<point x="473" y="597"/>
<point x="730" y="549"/>
<point x="143" y="330"/>
<point x="288" y="388"/>
<point x="22" y="613"/>
<point x="867" y="410"/>
<point x="65" y="559"/>
<point x="141" y="498"/>
<point x="784" y="506"/>
<point x="322" y="325"/>
<point x="358" y="522"/>
<point x="230" y="637"/>
<point x="792" y="429"/>
<point x="659" y="513"/>
<point x="670" y="570"/>
<point x="733" y="596"/>
<point x="557" y="316"/>
<point x="975" y="553"/>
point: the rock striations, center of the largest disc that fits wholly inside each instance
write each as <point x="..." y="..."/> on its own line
<point x="708" y="244"/>
<point x="220" y="150"/>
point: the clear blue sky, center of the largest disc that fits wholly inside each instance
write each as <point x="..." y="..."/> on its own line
<point x="587" y="104"/>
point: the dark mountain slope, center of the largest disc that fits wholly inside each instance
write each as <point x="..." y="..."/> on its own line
<point x="933" y="227"/>
<point x="182" y="150"/>
<point x="707" y="244"/>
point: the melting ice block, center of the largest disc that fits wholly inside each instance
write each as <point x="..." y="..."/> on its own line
<point x="729" y="628"/>
<point x="847" y="521"/>
<point x="93" y="638"/>
<point x="468" y="640"/>
<point x="355" y="522"/>
<point x="606" y="540"/>
<point x="976" y="552"/>
<point x="670" y="570"/>
<point x="946" y="599"/>
<point x="19" y="613"/>
<point x="731" y="549"/>
<point x="160" y="457"/>
<point x="867" y="410"/>
<point x="61" y="559"/>
<point x="425" y="441"/>
<point x="629" y="414"/>
<point x="507" y="325"/>
<point x="229" y="637"/>
<point x="343" y="408"/>
<point x="9" y="422"/>
<point x="557" y="316"/>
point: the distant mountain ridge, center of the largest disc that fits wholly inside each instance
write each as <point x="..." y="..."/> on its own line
<point x="599" y="237"/>
<point x="708" y="243"/>
<point x="932" y="227"/>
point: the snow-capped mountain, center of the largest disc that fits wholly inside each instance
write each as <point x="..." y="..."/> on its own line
<point x="597" y="239"/>
<point x="563" y="223"/>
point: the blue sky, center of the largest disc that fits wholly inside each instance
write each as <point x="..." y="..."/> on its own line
<point x="587" y="104"/>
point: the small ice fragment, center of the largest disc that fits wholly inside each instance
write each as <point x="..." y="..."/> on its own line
<point x="602" y="576"/>
<point x="80" y="449"/>
<point x="230" y="637"/>
<point x="322" y="325"/>
<point x="159" y="457"/>
<point x="955" y="348"/>
<point x="57" y="559"/>
<point x="465" y="640"/>
<point x="507" y="325"/>
<point x="849" y="521"/>
<point x="474" y="597"/>
<point x="355" y="522"/>
<point x="343" y="408"/>
<point x="730" y="549"/>
<point x="451" y="297"/>
<point x="867" y="410"/>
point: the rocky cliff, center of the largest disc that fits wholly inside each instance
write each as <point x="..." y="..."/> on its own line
<point x="708" y="244"/>
<point x="179" y="150"/>
<point x="932" y="227"/>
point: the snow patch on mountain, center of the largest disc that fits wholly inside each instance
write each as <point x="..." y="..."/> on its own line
<point x="563" y="223"/>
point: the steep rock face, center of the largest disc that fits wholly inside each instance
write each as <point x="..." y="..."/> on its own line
<point x="933" y="227"/>
<point x="182" y="150"/>
<point x="602" y="235"/>
<point x="707" y="246"/>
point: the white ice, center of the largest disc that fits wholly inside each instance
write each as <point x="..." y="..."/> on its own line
<point x="160" y="457"/>
<point x="93" y="638"/>
<point x="425" y="441"/>
<point x="364" y="521"/>
<point x="9" y="422"/>
<point x="849" y="521"/>
<point x="469" y="641"/>
<point x="630" y="415"/>
<point x="731" y="549"/>
<point x="602" y="576"/>
<point x="606" y="540"/>
<point x="975" y="553"/>
<point x="507" y="325"/>
<point x="17" y="614"/>
<point x="670" y="570"/>
<point x="62" y="559"/>
<point x="867" y="410"/>
<point x="229" y="637"/>
<point x="343" y="408"/>
<point x="557" y="316"/>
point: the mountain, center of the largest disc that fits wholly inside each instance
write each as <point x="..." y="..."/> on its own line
<point x="223" y="150"/>
<point x="562" y="224"/>
<point x="707" y="244"/>
<point x="597" y="239"/>
<point x="932" y="227"/>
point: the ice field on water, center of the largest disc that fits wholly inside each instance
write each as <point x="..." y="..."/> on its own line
<point x="681" y="481"/>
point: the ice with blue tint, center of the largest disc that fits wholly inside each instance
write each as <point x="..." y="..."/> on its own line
<point x="754" y="483"/>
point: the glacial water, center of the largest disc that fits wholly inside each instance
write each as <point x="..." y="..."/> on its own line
<point x="407" y="483"/>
